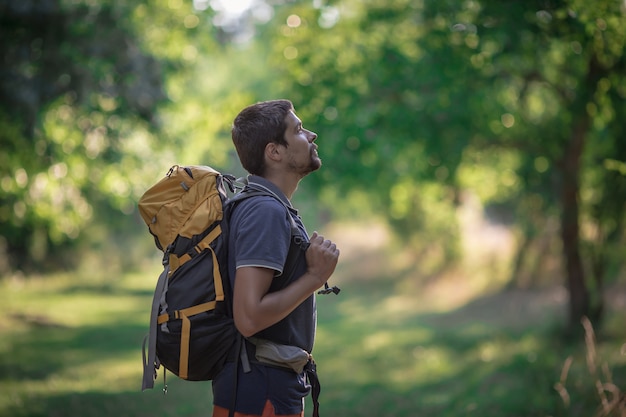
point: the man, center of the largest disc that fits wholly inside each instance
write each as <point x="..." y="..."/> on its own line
<point x="277" y="152"/>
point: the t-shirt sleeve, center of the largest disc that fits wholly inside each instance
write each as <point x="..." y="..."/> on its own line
<point x="262" y="234"/>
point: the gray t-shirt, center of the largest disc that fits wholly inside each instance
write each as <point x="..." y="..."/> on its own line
<point x="260" y="236"/>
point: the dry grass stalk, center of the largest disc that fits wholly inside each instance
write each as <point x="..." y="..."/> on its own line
<point x="611" y="405"/>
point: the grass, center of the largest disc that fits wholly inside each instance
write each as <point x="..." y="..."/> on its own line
<point x="70" y="345"/>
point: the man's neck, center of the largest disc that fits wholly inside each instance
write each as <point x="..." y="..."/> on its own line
<point x="288" y="184"/>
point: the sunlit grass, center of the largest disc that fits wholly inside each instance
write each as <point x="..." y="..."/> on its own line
<point x="67" y="336"/>
<point x="70" y="345"/>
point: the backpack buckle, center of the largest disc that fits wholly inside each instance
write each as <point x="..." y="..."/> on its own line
<point x="327" y="290"/>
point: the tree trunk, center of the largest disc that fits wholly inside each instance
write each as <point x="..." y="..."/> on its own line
<point x="580" y="298"/>
<point x="570" y="230"/>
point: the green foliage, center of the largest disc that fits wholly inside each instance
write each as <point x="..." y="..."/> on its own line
<point x="415" y="103"/>
<point x="80" y="114"/>
<point x="73" y="94"/>
<point x="559" y="82"/>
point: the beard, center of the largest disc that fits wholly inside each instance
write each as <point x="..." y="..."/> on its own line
<point x="304" y="168"/>
<point x="316" y="161"/>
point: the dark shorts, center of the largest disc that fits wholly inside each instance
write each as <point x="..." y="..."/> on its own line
<point x="283" y="388"/>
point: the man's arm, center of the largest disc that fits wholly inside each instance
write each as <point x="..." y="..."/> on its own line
<point x="255" y="309"/>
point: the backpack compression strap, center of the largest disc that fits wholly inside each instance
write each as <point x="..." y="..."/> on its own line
<point x="185" y="333"/>
<point x="177" y="261"/>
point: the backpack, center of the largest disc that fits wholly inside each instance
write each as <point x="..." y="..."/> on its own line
<point x="192" y="332"/>
<point x="190" y="312"/>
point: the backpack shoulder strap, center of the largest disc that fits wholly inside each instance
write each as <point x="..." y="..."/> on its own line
<point x="298" y="242"/>
<point x="251" y="190"/>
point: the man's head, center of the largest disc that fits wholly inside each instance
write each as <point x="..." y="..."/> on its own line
<point x="267" y="126"/>
<point x="255" y="127"/>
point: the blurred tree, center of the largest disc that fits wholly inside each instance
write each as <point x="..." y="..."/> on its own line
<point x="404" y="92"/>
<point x="559" y="77"/>
<point x="65" y="82"/>
<point x="80" y="85"/>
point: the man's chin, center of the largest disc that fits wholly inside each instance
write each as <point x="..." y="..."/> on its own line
<point x="316" y="164"/>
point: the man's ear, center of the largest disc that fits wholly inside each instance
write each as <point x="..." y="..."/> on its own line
<point x="273" y="152"/>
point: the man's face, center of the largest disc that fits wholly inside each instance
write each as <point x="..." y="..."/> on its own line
<point x="301" y="151"/>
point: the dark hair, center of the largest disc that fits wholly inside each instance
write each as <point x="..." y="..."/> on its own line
<point x="255" y="127"/>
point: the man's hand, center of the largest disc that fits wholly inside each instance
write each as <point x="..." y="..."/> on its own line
<point x="255" y="309"/>
<point x="321" y="257"/>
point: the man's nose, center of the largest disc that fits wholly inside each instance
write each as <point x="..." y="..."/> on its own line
<point x="312" y="136"/>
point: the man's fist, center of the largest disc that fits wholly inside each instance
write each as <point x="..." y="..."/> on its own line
<point x="321" y="257"/>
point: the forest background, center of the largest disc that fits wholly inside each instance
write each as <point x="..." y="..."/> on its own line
<point x="474" y="176"/>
